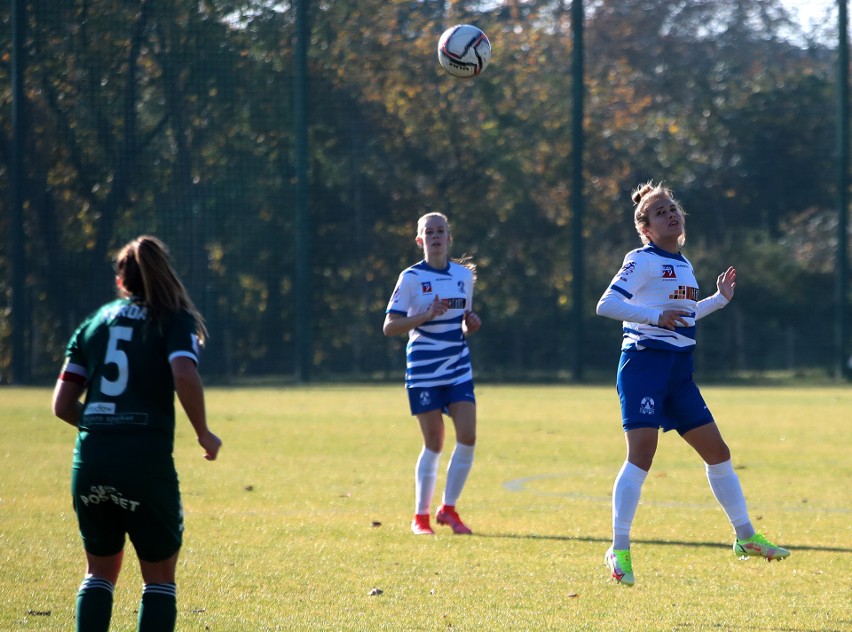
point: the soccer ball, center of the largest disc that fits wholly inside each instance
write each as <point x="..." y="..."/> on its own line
<point x="464" y="50"/>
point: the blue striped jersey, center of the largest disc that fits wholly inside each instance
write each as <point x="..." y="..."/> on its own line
<point x="437" y="353"/>
<point x="651" y="281"/>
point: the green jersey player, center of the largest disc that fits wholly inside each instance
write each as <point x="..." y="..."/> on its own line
<point x="129" y="358"/>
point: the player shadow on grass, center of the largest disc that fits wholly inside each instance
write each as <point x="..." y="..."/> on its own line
<point x="692" y="543"/>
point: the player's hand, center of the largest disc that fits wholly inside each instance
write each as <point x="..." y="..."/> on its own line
<point x="672" y="318"/>
<point x="472" y="322"/>
<point x="437" y="308"/>
<point x="211" y="444"/>
<point x="727" y="283"/>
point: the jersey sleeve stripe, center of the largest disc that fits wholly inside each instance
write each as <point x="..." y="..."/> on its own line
<point x="68" y="375"/>
<point x="621" y="291"/>
<point x="183" y="354"/>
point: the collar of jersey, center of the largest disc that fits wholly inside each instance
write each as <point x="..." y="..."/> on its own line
<point x="425" y="266"/>
<point x="650" y="247"/>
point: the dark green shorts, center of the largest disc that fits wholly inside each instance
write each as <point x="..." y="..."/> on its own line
<point x="127" y="496"/>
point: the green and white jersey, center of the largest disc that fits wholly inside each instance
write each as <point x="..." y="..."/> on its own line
<point x="122" y="356"/>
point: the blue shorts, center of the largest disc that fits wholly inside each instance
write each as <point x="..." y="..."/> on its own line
<point x="422" y="400"/>
<point x="656" y="390"/>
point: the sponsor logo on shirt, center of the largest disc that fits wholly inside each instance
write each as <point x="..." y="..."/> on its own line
<point x="684" y="292"/>
<point x="628" y="269"/>
<point x="456" y="303"/>
<point x="427" y="287"/>
<point x="669" y="271"/>
<point x="100" y="408"/>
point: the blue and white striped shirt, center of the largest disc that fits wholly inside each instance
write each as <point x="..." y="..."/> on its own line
<point x="437" y="353"/>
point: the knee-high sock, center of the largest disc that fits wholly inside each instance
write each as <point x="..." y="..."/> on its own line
<point x="158" y="610"/>
<point x="727" y="490"/>
<point x="425" y="475"/>
<point x="457" y="471"/>
<point x="94" y="605"/>
<point x="625" y="499"/>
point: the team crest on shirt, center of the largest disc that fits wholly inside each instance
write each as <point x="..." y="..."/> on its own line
<point x="646" y="406"/>
<point x="461" y="287"/>
<point x="427" y="287"/>
<point x="669" y="271"/>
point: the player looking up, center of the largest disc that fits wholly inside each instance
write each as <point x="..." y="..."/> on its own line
<point x="129" y="358"/>
<point x="655" y="294"/>
<point x="433" y="304"/>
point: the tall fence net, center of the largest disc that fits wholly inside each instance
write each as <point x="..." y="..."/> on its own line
<point x="180" y="119"/>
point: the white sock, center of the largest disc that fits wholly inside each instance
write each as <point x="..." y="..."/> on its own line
<point x="625" y="499"/>
<point x="425" y="475"/>
<point x="726" y="488"/>
<point x="457" y="471"/>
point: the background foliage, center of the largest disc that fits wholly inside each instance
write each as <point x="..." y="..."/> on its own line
<point x="176" y="118"/>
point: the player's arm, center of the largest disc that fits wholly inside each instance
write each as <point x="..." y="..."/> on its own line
<point x="617" y="301"/>
<point x="614" y="304"/>
<point x="66" y="400"/>
<point x="397" y="324"/>
<point x="190" y="392"/>
<point x="70" y="386"/>
<point x="726" y="283"/>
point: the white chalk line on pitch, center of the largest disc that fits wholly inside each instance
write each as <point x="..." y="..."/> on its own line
<point x="521" y="485"/>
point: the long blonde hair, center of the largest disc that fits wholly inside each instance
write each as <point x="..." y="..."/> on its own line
<point x="146" y="271"/>
<point x="642" y="197"/>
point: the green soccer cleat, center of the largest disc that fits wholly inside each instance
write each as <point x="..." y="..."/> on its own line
<point x="758" y="546"/>
<point x="619" y="564"/>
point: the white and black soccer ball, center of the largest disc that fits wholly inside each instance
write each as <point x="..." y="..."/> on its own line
<point x="464" y="50"/>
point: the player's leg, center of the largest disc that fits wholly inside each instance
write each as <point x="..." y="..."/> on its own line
<point x="94" y="598"/>
<point x="158" y="609"/>
<point x="640" y="382"/>
<point x="707" y="441"/>
<point x="155" y="528"/>
<point x="626" y="491"/>
<point x="700" y="431"/>
<point x="463" y="414"/>
<point x="426" y="471"/>
<point x="101" y="528"/>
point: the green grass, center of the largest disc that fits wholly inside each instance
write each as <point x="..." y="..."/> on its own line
<point x="280" y="535"/>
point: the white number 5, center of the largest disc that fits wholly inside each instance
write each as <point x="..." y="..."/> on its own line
<point x="116" y="356"/>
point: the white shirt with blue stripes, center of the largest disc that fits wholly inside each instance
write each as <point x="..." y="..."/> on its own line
<point x="437" y="353"/>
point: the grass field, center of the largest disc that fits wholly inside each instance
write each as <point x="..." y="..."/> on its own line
<point x="306" y="514"/>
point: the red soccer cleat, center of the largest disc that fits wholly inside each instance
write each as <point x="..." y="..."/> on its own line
<point x="447" y="515"/>
<point x="420" y="525"/>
